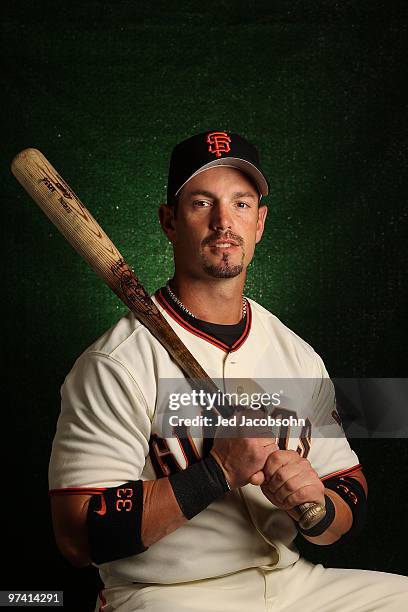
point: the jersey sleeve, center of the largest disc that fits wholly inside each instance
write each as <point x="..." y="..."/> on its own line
<point x="103" y="429"/>
<point x="330" y="452"/>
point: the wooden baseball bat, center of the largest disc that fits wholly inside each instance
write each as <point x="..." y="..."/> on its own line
<point x="66" y="211"/>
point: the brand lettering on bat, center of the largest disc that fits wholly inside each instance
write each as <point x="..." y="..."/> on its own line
<point x="53" y="186"/>
<point x="48" y="183"/>
<point x="64" y="204"/>
<point x="65" y="192"/>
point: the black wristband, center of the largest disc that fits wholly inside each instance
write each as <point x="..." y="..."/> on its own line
<point x="324" y="523"/>
<point x="199" y="485"/>
<point x="114" y="522"/>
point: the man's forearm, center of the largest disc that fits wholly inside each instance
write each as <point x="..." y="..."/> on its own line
<point x="350" y="508"/>
<point x="341" y="524"/>
<point x="162" y="514"/>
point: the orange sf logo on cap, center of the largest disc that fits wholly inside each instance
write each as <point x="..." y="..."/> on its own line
<point x="218" y="143"/>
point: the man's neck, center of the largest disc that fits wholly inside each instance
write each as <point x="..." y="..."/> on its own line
<point x="216" y="301"/>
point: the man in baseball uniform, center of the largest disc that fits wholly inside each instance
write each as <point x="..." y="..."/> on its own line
<point x="194" y="523"/>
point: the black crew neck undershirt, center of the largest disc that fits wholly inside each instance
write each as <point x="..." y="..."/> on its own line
<point x="228" y="334"/>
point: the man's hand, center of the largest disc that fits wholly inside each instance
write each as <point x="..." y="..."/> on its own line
<point x="243" y="459"/>
<point x="290" y="480"/>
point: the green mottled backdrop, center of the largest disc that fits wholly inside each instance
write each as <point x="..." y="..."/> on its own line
<point x="104" y="89"/>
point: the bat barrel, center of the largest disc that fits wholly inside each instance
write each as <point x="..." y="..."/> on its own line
<point x="65" y="210"/>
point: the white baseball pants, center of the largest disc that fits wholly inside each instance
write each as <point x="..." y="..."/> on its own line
<point x="302" y="586"/>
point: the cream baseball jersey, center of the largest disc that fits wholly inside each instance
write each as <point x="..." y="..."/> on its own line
<point x="108" y="433"/>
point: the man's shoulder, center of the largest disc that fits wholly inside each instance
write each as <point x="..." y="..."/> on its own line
<point x="117" y="336"/>
<point x="127" y="341"/>
<point x="127" y="348"/>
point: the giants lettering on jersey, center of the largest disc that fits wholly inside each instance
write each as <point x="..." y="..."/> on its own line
<point x="165" y="462"/>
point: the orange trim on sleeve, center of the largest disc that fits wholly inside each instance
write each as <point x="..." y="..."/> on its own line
<point x="345" y="472"/>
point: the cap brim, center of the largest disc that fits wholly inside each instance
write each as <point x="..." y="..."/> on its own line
<point x="240" y="164"/>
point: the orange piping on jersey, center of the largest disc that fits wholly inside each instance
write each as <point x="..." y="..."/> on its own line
<point x="192" y="446"/>
<point x="182" y="450"/>
<point x="245" y="333"/>
<point x="200" y="334"/>
<point x="345" y="472"/>
<point x="196" y="332"/>
<point x="103" y="601"/>
<point x="166" y="471"/>
<point x="78" y="491"/>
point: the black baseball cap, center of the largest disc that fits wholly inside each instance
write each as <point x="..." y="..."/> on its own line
<point x="209" y="149"/>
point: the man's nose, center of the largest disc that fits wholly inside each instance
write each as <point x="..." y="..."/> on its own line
<point x="221" y="218"/>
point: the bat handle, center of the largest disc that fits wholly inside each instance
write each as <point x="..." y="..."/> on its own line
<point x="310" y="514"/>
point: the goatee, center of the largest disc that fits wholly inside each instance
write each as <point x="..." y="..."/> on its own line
<point x="223" y="269"/>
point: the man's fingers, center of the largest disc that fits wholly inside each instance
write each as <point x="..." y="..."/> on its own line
<point x="292" y="486"/>
<point x="288" y="472"/>
<point x="307" y="493"/>
<point x="278" y="460"/>
<point x="242" y="458"/>
<point x="257" y="479"/>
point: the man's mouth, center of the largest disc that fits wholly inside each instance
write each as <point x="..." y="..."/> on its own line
<point x="226" y="241"/>
<point x="221" y="244"/>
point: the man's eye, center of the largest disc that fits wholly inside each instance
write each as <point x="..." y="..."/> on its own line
<point x="242" y="205"/>
<point x="201" y="203"/>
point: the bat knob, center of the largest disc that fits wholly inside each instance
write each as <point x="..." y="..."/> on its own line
<point x="310" y="514"/>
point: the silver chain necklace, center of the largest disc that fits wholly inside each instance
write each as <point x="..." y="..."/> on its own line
<point x="187" y="311"/>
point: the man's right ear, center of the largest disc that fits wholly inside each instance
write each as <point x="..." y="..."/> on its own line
<point x="166" y="216"/>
